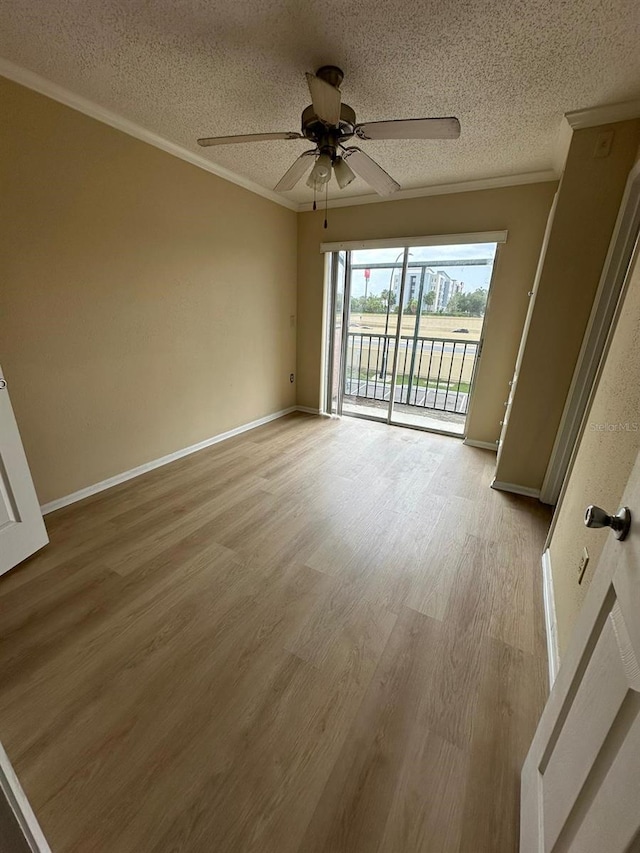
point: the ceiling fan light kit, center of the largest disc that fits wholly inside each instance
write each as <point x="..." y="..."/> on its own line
<point x="321" y="172"/>
<point x="329" y="124"/>
<point x="343" y="172"/>
<point x="316" y="186"/>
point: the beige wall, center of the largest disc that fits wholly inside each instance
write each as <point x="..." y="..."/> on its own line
<point x="605" y="457"/>
<point x="145" y="304"/>
<point x="522" y="210"/>
<point x="588" y="201"/>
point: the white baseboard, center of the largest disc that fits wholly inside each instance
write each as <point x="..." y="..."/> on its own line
<point x="550" y="621"/>
<point x="25" y="820"/>
<point x="515" y="489"/>
<point x="157" y="463"/>
<point x="483" y="445"/>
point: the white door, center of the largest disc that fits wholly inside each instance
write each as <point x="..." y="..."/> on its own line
<point x="22" y="529"/>
<point x="581" y="778"/>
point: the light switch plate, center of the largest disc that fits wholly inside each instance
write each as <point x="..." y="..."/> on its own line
<point x="603" y="144"/>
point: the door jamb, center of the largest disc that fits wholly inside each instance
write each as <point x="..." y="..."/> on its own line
<point x="476" y="366"/>
<point x="20" y="812"/>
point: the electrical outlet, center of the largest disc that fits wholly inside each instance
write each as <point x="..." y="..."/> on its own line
<point x="603" y="144"/>
<point x="582" y="565"/>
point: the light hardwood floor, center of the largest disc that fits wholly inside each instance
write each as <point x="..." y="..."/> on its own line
<point x="319" y="637"/>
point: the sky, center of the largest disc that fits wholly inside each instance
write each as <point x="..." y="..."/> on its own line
<point x="473" y="277"/>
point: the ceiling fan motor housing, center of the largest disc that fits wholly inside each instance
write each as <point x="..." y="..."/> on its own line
<point x="315" y="130"/>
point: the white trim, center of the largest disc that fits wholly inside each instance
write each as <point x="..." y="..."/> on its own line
<point x="611" y="284"/>
<point x="442" y="189"/>
<point x="606" y="114"/>
<point x="308" y="410"/>
<point x="550" y="619"/>
<point x="472" y="399"/>
<point x="515" y="489"/>
<point x="591" y="117"/>
<point x="84" y="105"/>
<point x="429" y="240"/>
<point x="533" y="294"/>
<point x="483" y="445"/>
<point x="563" y="143"/>
<point x="34" y="81"/>
<point x="11" y="790"/>
<point x="64" y="96"/>
<point x="157" y="463"/>
<point x="327" y="353"/>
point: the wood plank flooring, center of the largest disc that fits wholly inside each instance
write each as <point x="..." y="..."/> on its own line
<point x="319" y="637"/>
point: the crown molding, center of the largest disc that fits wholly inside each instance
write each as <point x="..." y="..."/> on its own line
<point x="563" y="143"/>
<point x="443" y="189"/>
<point x="607" y="114"/>
<point x="575" y="120"/>
<point x="591" y="117"/>
<point x="58" y="93"/>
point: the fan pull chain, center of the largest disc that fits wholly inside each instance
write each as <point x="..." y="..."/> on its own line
<point x="326" y="203"/>
<point x="314" y="196"/>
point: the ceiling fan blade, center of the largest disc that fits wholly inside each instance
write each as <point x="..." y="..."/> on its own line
<point x="369" y="171"/>
<point x="326" y="99"/>
<point x="206" y="141"/>
<point x="294" y="172"/>
<point x="410" y="128"/>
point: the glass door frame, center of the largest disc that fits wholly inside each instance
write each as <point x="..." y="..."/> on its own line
<point x="404" y="245"/>
<point x="330" y="390"/>
<point x="398" y="337"/>
<point x="330" y="367"/>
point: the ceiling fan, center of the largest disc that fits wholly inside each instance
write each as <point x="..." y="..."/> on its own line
<point x="329" y="124"/>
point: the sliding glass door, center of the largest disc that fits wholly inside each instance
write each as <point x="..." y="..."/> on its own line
<point x="370" y="350"/>
<point x="407" y="326"/>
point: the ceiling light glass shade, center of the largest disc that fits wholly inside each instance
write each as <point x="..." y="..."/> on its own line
<point x="321" y="172"/>
<point x="316" y="186"/>
<point x="344" y="174"/>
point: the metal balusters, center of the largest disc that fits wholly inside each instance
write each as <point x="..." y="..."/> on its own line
<point x="377" y="373"/>
<point x="366" y="387"/>
<point x="426" y="393"/>
<point x="455" y="400"/>
<point x="446" y="393"/>
<point x="464" y="356"/>
<point x="404" y="367"/>
<point x="426" y="387"/>
<point x="360" y="365"/>
<point x="351" y="367"/>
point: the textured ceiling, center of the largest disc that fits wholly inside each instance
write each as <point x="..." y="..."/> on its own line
<point x="508" y="70"/>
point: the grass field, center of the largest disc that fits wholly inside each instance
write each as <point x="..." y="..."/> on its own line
<point x="431" y="325"/>
<point x="364" y="357"/>
<point x="418" y="381"/>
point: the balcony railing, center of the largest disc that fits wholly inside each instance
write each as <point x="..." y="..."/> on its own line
<point x="433" y="373"/>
